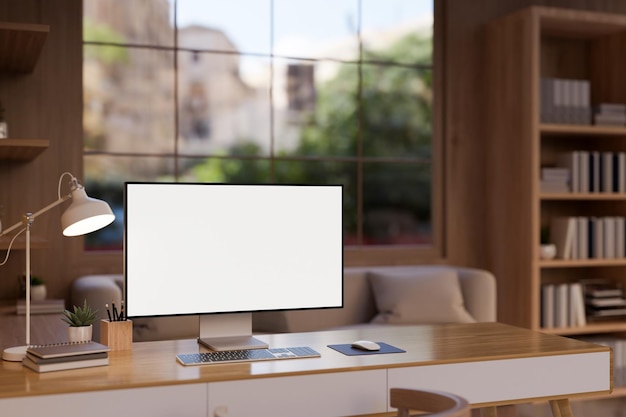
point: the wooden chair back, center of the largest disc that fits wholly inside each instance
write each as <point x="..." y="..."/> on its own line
<point x="436" y="403"/>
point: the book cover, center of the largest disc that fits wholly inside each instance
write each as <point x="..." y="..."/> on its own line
<point x="577" y="316"/>
<point x="67" y="349"/>
<point x="62" y="359"/>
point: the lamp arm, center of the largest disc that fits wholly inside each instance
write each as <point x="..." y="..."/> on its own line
<point x="30" y="217"/>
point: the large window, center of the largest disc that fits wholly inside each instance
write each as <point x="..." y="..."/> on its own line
<point x="267" y="91"/>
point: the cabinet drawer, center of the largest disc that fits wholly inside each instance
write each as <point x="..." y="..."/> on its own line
<point x="319" y="395"/>
<point x="189" y="400"/>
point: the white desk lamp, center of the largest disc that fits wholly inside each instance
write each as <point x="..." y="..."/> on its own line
<point x="85" y="215"/>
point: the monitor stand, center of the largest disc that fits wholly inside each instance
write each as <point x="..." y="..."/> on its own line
<point x="228" y="332"/>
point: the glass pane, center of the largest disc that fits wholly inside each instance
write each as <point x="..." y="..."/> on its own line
<point x="385" y="24"/>
<point x="226" y="170"/>
<point x="220" y="112"/>
<point x="135" y="22"/>
<point x="397" y="111"/>
<point x="316" y="29"/>
<point x="240" y="25"/>
<point x="397" y="203"/>
<point x="322" y="122"/>
<point x="128" y="101"/>
<point x="326" y="172"/>
<point x="104" y="179"/>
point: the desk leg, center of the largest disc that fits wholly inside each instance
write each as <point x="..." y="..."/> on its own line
<point x="488" y="412"/>
<point x="561" y="408"/>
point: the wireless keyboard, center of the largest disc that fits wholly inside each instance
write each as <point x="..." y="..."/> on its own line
<point x="248" y="355"/>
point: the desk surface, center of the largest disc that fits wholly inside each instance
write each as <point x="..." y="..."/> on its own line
<point x="151" y="364"/>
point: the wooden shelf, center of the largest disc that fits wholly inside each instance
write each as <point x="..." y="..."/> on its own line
<point x="584" y="130"/>
<point x="613" y="326"/>
<point x="584" y="196"/>
<point x="577" y="263"/>
<point x="22" y="149"/>
<point x="20" y="45"/>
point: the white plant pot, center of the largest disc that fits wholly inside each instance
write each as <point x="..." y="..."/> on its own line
<point x="547" y="251"/>
<point x="79" y="334"/>
<point x="38" y="292"/>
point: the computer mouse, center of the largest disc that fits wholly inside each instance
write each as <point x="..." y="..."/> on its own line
<point x="365" y="345"/>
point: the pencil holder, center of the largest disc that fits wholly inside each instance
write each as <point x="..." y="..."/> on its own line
<point x="118" y="335"/>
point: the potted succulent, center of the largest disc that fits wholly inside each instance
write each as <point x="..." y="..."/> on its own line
<point x="81" y="321"/>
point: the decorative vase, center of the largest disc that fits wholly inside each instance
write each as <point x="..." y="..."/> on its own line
<point x="38" y="292"/>
<point x="547" y="251"/>
<point x="80" y="334"/>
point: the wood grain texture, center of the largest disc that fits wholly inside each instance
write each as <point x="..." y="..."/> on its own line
<point x="154" y="363"/>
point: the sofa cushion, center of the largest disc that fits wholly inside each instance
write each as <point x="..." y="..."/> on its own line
<point x="418" y="296"/>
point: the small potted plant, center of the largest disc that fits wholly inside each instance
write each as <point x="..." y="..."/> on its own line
<point x="547" y="250"/>
<point x="38" y="290"/>
<point x="81" y="321"/>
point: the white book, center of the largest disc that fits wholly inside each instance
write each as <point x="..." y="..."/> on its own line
<point x="561" y="305"/>
<point x="609" y="237"/>
<point x="620" y="237"/>
<point x="577" y="315"/>
<point x="562" y="235"/>
<point x="547" y="306"/>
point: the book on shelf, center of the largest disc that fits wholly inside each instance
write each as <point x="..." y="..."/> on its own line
<point x="604" y="299"/>
<point x="48" y="306"/>
<point x="581" y="237"/>
<point x="562" y="305"/>
<point x="562" y="231"/>
<point x="565" y="101"/>
<point x="61" y="364"/>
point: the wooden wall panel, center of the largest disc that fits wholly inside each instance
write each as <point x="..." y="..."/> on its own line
<point x="45" y="104"/>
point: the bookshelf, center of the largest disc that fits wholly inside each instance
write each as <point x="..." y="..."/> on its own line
<point x="20" y="47"/>
<point x="556" y="44"/>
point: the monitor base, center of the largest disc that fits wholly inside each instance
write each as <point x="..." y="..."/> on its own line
<point x="232" y="343"/>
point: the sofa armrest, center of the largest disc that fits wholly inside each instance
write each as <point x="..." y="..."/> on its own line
<point x="479" y="293"/>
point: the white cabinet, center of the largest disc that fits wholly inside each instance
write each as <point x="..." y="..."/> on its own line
<point x="319" y="395"/>
<point x="187" y="400"/>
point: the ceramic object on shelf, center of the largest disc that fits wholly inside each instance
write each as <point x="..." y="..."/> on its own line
<point x="547" y="251"/>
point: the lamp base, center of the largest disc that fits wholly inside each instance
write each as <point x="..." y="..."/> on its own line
<point x="14" y="354"/>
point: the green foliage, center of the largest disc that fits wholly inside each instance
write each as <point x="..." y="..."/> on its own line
<point x="81" y="316"/>
<point x="94" y="32"/>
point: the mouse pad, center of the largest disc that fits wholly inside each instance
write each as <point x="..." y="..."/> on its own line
<point x="347" y="349"/>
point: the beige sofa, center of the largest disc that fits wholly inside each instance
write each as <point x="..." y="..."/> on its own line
<point x="408" y="294"/>
<point x="477" y="288"/>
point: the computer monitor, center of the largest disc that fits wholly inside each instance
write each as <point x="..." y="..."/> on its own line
<point x="223" y="251"/>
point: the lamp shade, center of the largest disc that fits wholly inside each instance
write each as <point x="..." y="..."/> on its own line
<point x="85" y="215"/>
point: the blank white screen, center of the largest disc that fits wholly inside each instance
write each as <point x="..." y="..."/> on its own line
<point x="219" y="248"/>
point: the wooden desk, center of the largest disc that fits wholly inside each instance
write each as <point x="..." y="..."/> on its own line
<point x="488" y="363"/>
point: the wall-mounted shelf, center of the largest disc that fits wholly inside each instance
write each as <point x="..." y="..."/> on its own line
<point x="21" y="149"/>
<point x="20" y="45"/>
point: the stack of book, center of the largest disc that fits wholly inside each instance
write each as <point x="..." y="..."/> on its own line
<point x="62" y="356"/>
<point x="609" y="114"/>
<point x="604" y="299"/>
<point x="555" y="180"/>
